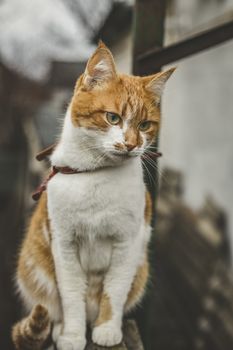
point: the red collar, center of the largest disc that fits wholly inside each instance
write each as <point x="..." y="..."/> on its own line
<point x="55" y="169"/>
<point x="69" y="171"/>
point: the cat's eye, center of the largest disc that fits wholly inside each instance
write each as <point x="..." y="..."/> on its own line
<point x="144" y="126"/>
<point x="113" y="118"/>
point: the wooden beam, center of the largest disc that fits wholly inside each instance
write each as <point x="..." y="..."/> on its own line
<point x="148" y="28"/>
<point x="148" y="31"/>
<point x="154" y="58"/>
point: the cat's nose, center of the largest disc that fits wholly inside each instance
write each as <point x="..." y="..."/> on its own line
<point x="129" y="146"/>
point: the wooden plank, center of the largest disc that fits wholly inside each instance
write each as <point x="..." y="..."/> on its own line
<point x="153" y="59"/>
<point x="92" y="346"/>
<point x="148" y="31"/>
<point x="131" y="339"/>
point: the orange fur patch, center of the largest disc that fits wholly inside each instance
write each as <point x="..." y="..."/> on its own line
<point x="95" y="287"/>
<point x="105" y="312"/>
<point x="148" y="208"/>
<point x="138" y="285"/>
<point x="126" y="96"/>
<point x="36" y="250"/>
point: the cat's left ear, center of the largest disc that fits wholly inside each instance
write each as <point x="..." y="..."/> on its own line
<point x="100" y="67"/>
<point x="156" y="83"/>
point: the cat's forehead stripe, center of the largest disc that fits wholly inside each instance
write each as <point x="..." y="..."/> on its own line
<point x="133" y="107"/>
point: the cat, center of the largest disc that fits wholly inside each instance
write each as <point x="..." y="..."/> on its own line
<point x="84" y="258"/>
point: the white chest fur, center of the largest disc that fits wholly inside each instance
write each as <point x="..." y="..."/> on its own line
<point x="97" y="208"/>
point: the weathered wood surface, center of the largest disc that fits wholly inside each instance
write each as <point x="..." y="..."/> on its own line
<point x="131" y="339"/>
<point x="92" y="346"/>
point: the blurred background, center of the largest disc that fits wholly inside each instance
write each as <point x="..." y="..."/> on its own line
<point x="44" y="46"/>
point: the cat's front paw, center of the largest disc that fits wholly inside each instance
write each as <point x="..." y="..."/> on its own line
<point x="107" y="334"/>
<point x="71" y="341"/>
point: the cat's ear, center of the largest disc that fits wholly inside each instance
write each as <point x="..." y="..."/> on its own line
<point x="156" y="83"/>
<point x="100" y="67"/>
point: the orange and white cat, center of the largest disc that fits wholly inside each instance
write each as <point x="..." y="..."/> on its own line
<point x="84" y="258"/>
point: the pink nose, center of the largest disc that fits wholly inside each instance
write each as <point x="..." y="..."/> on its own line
<point x="130" y="146"/>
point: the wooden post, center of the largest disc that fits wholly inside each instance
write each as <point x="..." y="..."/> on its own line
<point x="148" y="29"/>
<point x="148" y="33"/>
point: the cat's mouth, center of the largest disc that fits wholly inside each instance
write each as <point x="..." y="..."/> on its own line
<point x="123" y="155"/>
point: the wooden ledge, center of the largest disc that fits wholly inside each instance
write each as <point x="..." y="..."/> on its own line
<point x="131" y="340"/>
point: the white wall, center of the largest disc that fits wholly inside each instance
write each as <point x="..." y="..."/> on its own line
<point x="197" y="131"/>
<point x="197" y="128"/>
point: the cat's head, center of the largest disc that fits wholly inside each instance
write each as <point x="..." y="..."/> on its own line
<point x="119" y="114"/>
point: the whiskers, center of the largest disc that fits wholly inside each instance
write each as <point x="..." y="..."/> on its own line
<point x="149" y="160"/>
<point x="151" y="155"/>
<point x="99" y="160"/>
<point x="101" y="155"/>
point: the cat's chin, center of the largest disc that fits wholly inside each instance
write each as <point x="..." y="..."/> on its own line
<point x="122" y="156"/>
<point x="117" y="158"/>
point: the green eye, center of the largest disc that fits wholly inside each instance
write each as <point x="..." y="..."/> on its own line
<point x="144" y="126"/>
<point x="113" y="119"/>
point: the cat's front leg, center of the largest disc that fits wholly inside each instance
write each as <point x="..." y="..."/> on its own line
<point x="107" y="330"/>
<point x="72" y="287"/>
